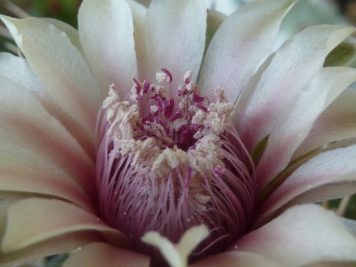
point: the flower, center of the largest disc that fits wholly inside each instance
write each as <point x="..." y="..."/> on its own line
<point x="140" y="140"/>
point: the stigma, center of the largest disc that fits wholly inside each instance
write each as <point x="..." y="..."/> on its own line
<point x="169" y="159"/>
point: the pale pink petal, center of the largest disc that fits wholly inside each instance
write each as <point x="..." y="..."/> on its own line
<point x="242" y="42"/>
<point x="243" y="100"/>
<point x="23" y="171"/>
<point x="172" y="42"/>
<point x="292" y="127"/>
<point x="101" y="254"/>
<point x="336" y="167"/>
<point x="139" y="20"/>
<point x="339" y="78"/>
<point x="235" y="259"/>
<point x="336" y="123"/>
<point x="36" y="220"/>
<point x="290" y="70"/>
<point x="17" y="70"/>
<point x="325" y="192"/>
<point x="60" y="66"/>
<point x="106" y="35"/>
<point x="55" y="246"/>
<point x="302" y="235"/>
<point x="26" y="124"/>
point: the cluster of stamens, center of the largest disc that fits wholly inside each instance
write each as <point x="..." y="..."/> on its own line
<point x="168" y="161"/>
<point x="172" y="123"/>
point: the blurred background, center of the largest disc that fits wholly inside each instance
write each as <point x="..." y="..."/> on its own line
<point x="305" y="13"/>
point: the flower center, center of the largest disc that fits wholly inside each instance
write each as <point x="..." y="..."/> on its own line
<point x="171" y="159"/>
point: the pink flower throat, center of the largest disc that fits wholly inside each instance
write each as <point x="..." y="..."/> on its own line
<point x="170" y="159"/>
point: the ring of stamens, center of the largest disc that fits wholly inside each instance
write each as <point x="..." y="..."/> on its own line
<point x="166" y="167"/>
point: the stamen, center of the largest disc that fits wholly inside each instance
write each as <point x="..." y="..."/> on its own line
<point x="187" y="77"/>
<point x="169" y="76"/>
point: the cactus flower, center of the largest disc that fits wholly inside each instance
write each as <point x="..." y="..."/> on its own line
<point x="171" y="135"/>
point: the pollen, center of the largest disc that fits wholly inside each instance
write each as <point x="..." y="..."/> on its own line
<point x="166" y="164"/>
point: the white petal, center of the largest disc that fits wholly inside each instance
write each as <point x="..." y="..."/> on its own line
<point x="17" y="70"/>
<point x="290" y="70"/>
<point x="71" y="32"/>
<point x="350" y="225"/>
<point x="239" y="46"/>
<point x="336" y="167"/>
<point x="55" y="246"/>
<point x="139" y="20"/>
<point x="336" y="123"/>
<point x="175" y="37"/>
<point x="292" y="126"/>
<point x="59" y="65"/>
<point x="338" y="78"/>
<point x="36" y="220"/>
<point x="302" y="235"/>
<point x="214" y="21"/>
<point x="106" y="35"/>
<point x="25" y="123"/>
<point x="23" y="171"/>
<point x="101" y="254"/>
